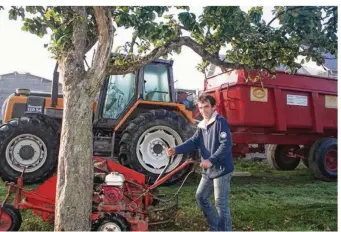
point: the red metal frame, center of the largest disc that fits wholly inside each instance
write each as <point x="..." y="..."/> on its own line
<point x="42" y="200"/>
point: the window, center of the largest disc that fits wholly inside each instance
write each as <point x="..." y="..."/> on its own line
<point x="120" y="91"/>
<point x="156" y="86"/>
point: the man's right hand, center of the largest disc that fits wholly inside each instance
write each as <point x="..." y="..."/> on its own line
<point x="171" y="151"/>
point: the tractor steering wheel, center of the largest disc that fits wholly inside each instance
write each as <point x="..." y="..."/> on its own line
<point x="149" y="95"/>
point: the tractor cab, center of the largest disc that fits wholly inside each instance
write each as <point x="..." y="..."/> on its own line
<point x="152" y="83"/>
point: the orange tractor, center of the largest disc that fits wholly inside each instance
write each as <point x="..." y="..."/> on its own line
<point x="135" y="116"/>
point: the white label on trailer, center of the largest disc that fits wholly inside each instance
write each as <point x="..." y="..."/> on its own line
<point x="297" y="100"/>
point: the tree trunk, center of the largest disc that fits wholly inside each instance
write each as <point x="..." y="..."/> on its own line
<point x="75" y="166"/>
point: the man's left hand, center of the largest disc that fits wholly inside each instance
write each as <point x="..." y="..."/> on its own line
<point x="206" y="164"/>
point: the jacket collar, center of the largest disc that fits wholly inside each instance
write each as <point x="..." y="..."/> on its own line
<point x="203" y="123"/>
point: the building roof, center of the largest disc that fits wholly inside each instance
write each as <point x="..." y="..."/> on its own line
<point x="27" y="74"/>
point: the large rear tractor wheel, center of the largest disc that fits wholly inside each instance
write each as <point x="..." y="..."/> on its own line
<point x="278" y="157"/>
<point x="323" y="159"/>
<point x="31" y="144"/>
<point x="144" y="143"/>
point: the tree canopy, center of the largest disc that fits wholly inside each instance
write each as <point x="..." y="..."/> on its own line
<point x="254" y="43"/>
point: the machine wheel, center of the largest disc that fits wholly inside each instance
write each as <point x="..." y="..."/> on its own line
<point x="30" y="143"/>
<point x="277" y="156"/>
<point x="111" y="222"/>
<point x="144" y="142"/>
<point x="10" y="219"/>
<point x="323" y="159"/>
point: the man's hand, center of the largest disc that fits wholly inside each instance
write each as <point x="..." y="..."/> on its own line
<point x="206" y="164"/>
<point x="171" y="151"/>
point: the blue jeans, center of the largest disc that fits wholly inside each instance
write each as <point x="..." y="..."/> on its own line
<point x="220" y="220"/>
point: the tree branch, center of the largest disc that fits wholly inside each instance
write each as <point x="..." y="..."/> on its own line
<point x="105" y="42"/>
<point x="79" y="33"/>
<point x="281" y="13"/>
<point x="75" y="55"/>
<point x="131" y="66"/>
<point x="131" y="50"/>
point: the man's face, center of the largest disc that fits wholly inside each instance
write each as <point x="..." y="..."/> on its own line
<point x="206" y="109"/>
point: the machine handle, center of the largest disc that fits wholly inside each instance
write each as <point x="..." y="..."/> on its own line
<point x="165" y="178"/>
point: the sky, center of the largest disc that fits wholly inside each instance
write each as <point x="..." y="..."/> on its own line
<point x="24" y="52"/>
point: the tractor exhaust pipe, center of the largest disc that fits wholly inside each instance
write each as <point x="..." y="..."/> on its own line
<point x="54" y="87"/>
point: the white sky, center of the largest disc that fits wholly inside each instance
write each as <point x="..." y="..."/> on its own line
<point x="24" y="52"/>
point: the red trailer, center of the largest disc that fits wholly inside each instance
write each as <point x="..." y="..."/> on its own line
<point x="295" y="116"/>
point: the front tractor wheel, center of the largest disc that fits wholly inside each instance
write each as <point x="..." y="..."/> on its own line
<point x="27" y="143"/>
<point x="144" y="143"/>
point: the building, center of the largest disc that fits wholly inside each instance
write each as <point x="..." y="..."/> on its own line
<point x="11" y="81"/>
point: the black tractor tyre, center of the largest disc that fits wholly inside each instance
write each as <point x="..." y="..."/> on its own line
<point x="145" y="121"/>
<point x="34" y="127"/>
<point x="282" y="161"/>
<point x="8" y="212"/>
<point x="100" y="223"/>
<point x="317" y="163"/>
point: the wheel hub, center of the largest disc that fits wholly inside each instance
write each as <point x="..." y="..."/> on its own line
<point x="5" y="222"/>
<point x="26" y="152"/>
<point x="158" y="148"/>
<point x="152" y="145"/>
<point x="331" y="160"/>
<point x="110" y="226"/>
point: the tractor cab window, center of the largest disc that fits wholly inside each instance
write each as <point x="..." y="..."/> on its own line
<point x="120" y="91"/>
<point x="156" y="83"/>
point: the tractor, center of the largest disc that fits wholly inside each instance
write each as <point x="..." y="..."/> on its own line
<point x="135" y="117"/>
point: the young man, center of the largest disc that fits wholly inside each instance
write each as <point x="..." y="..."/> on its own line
<point x="213" y="138"/>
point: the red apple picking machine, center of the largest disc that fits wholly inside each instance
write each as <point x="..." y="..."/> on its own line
<point x="121" y="199"/>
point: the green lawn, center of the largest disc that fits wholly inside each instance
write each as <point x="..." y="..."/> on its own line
<point x="266" y="200"/>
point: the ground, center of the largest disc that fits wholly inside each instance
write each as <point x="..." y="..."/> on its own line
<point x="266" y="200"/>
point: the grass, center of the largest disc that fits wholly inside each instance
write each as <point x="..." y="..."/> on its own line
<point x="266" y="200"/>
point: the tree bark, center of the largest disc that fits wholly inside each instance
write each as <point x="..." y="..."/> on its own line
<point x="75" y="165"/>
<point x="75" y="169"/>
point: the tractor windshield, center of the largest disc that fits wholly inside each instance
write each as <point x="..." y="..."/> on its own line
<point x="156" y="83"/>
<point x="120" y="91"/>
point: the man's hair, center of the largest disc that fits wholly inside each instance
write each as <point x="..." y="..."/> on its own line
<point x="206" y="98"/>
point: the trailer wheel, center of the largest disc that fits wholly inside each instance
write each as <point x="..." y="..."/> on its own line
<point x="111" y="222"/>
<point x="270" y="156"/>
<point x="323" y="159"/>
<point x="144" y="142"/>
<point x="277" y="156"/>
<point x="30" y="143"/>
<point x="306" y="163"/>
<point x="10" y="219"/>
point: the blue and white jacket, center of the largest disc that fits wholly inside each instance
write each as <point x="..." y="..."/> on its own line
<point x="214" y="141"/>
